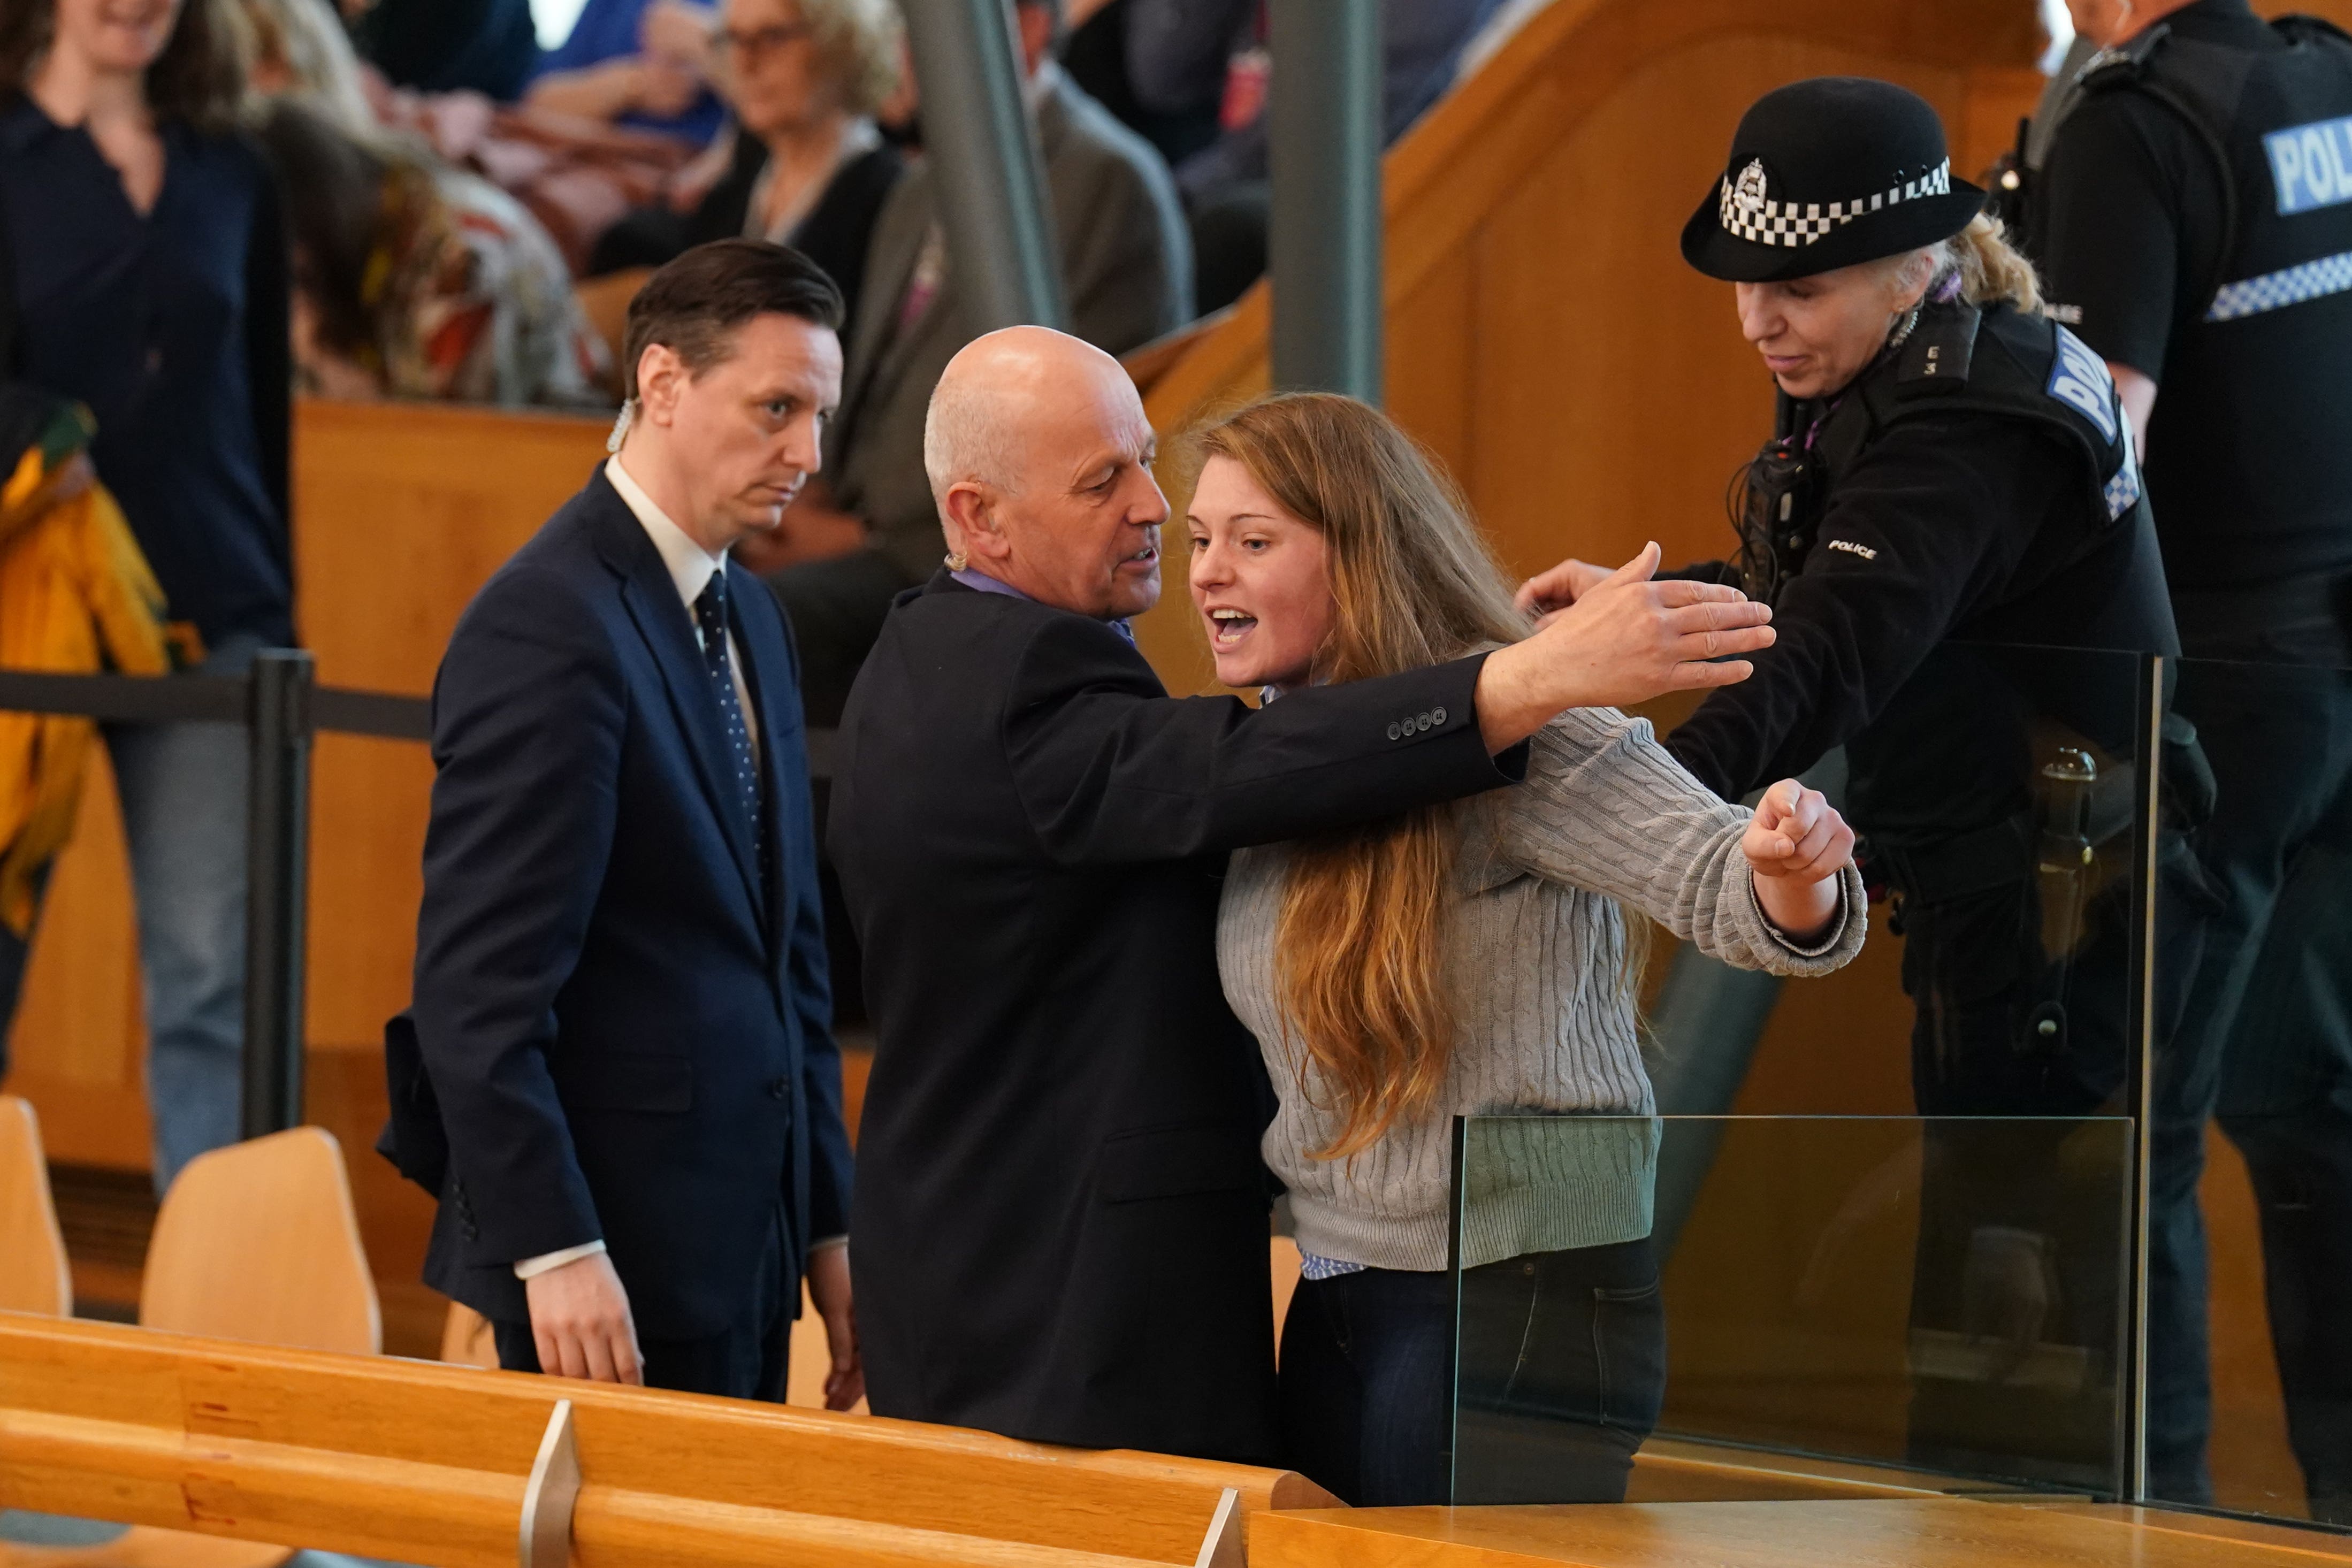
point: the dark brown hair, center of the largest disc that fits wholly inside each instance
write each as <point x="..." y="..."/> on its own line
<point x="199" y="77"/>
<point x="693" y="305"/>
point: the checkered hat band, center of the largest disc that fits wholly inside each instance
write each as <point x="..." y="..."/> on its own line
<point x="1795" y="224"/>
<point x="2276" y="290"/>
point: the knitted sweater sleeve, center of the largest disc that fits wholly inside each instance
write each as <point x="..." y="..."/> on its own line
<point x="1604" y="807"/>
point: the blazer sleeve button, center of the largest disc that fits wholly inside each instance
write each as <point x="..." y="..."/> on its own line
<point x="1437" y="716"/>
<point x="1396" y="732"/>
<point x="1421" y="723"/>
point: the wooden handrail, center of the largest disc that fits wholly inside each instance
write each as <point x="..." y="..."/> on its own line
<point x="426" y="1463"/>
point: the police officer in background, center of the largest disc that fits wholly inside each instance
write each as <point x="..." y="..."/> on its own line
<point x="2193" y="220"/>
<point x="1950" y="469"/>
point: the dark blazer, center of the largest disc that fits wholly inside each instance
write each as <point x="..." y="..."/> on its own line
<point x="624" y="1016"/>
<point x="834" y="234"/>
<point x="1061" y="1214"/>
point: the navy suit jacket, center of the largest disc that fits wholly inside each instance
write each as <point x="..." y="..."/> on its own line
<point x="623" y="1016"/>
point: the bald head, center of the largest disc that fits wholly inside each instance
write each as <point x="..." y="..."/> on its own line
<point x="1039" y="458"/>
<point x="1000" y="391"/>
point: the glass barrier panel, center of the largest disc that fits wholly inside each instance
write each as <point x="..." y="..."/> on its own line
<point x="2250" y="1313"/>
<point x="1848" y="1305"/>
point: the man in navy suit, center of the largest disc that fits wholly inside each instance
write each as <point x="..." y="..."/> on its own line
<point x="620" y="1000"/>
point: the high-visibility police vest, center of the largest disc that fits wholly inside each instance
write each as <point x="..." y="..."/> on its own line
<point x="2251" y="449"/>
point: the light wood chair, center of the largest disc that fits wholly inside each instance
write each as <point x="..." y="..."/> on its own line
<point x="34" y="1276"/>
<point x="255" y="1241"/>
<point x="258" y="1241"/>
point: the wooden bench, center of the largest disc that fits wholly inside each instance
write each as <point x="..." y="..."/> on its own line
<point x="424" y="1463"/>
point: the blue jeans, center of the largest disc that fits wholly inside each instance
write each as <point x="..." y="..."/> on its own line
<point x="183" y="788"/>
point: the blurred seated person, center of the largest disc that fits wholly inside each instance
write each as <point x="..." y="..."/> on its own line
<point x="867" y="526"/>
<point x="643" y="63"/>
<point x="809" y="168"/>
<point x="415" y="280"/>
<point x="1179" y="53"/>
<point x="445" y="46"/>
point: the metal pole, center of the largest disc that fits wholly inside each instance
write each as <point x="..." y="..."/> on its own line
<point x="278" y="856"/>
<point x="989" y="175"/>
<point x="1323" y="128"/>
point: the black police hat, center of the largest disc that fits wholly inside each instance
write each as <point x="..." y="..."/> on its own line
<point x="1826" y="174"/>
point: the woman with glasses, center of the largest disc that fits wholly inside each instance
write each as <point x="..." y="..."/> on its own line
<point x="810" y="169"/>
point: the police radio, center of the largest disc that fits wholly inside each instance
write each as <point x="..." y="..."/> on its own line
<point x="1774" y="504"/>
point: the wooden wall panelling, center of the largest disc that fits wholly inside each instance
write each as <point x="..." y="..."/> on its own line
<point x="78" y="1048"/>
<point x="401" y="511"/>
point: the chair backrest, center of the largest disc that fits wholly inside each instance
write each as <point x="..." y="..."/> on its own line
<point x="258" y="1241"/>
<point x="34" y="1277"/>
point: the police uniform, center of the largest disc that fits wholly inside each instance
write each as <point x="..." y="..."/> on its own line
<point x="2194" y="221"/>
<point x="1974" y="486"/>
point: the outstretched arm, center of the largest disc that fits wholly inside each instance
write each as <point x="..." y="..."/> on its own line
<point x="1606" y="809"/>
<point x="1111" y="771"/>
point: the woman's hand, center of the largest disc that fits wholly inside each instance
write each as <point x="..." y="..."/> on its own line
<point x="1798" y="844"/>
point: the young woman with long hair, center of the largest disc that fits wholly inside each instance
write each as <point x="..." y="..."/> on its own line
<point x="146" y="280"/>
<point x="1464" y="960"/>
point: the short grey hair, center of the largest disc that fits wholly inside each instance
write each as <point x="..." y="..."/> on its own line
<point x="965" y="437"/>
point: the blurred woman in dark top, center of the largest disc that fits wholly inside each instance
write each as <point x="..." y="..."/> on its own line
<point x="810" y="169"/>
<point x="147" y="281"/>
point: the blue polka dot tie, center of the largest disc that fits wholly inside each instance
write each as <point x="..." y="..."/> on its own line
<point x="710" y="616"/>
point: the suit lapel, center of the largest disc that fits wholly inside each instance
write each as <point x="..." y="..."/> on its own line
<point x="653" y="604"/>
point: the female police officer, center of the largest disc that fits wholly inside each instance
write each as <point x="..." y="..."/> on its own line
<point x="1951" y="470"/>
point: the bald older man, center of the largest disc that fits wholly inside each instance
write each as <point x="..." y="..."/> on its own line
<point x="1060" y="1216"/>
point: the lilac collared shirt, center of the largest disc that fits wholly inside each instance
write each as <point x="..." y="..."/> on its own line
<point x="982" y="582"/>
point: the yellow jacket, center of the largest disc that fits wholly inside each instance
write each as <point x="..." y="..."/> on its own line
<point x="75" y="597"/>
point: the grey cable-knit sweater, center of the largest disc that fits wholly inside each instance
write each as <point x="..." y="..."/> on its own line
<point x="1537" y="956"/>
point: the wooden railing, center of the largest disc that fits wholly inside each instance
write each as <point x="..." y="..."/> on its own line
<point x="424" y="1463"/>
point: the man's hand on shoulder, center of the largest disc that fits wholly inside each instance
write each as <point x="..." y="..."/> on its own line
<point x="579" y="1320"/>
<point x="1624" y="639"/>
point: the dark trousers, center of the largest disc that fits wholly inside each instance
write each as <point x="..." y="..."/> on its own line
<point x="1561" y="1374"/>
<point x="2266" y="1043"/>
<point x="748" y="1361"/>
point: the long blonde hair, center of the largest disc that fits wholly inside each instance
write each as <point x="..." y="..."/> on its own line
<point x="1359" y="947"/>
<point x="1990" y="269"/>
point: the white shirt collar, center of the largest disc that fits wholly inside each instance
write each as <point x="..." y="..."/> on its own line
<point x="691" y="567"/>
